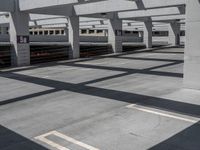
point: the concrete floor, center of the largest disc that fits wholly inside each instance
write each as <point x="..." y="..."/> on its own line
<point x="86" y="104"/>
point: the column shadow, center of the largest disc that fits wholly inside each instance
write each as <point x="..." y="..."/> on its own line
<point x="145" y="100"/>
<point x="188" y="139"/>
<point x="10" y="140"/>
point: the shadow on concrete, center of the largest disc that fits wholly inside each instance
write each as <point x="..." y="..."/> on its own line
<point x="27" y="97"/>
<point x="149" y="101"/>
<point x="148" y="71"/>
<point x="188" y="139"/>
<point x="10" y="140"/>
<point x="167" y="52"/>
<point x="126" y="71"/>
<point x="43" y="65"/>
<point x="148" y="59"/>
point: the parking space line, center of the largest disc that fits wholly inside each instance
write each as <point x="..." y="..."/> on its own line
<point x="51" y="143"/>
<point x="145" y="109"/>
<point x="67" y="138"/>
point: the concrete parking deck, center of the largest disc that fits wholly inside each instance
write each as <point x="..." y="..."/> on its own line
<point x="129" y="101"/>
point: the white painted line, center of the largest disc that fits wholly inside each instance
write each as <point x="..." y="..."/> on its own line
<point x="67" y="138"/>
<point x="144" y="109"/>
<point x="74" y="141"/>
<point x="51" y="143"/>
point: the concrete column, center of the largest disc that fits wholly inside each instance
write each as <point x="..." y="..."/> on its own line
<point x="148" y="34"/>
<point x="192" y="47"/>
<point x="74" y="37"/>
<point x="115" y="34"/>
<point x="174" y="34"/>
<point x="19" y="37"/>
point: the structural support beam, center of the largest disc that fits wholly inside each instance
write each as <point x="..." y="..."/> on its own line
<point x="7" y="5"/>
<point x="174" y="33"/>
<point x="149" y="12"/>
<point x="123" y="5"/>
<point x="19" y="37"/>
<point x="147" y="39"/>
<point x="115" y="34"/>
<point x="74" y="38"/>
<point x="192" y="49"/>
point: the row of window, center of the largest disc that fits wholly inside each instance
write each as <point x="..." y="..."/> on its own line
<point x="97" y="32"/>
<point x="62" y="32"/>
<point x="165" y="33"/>
<point x="82" y="32"/>
<point x="47" y="32"/>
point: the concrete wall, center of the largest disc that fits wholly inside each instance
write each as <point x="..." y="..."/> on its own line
<point x="61" y="38"/>
<point x="40" y="38"/>
<point x="165" y="39"/>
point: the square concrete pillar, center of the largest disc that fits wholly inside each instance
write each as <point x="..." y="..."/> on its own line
<point x="174" y="33"/>
<point x="74" y="37"/>
<point x="192" y="47"/>
<point x="115" y="35"/>
<point x="19" y="37"/>
<point x="147" y="37"/>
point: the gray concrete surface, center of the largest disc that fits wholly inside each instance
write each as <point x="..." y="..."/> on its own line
<point x="87" y="100"/>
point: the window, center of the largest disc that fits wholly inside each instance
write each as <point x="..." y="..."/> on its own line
<point x="51" y="32"/>
<point x="91" y="31"/>
<point x="135" y="32"/>
<point x="35" y="32"/>
<point x="57" y="32"/>
<point x="99" y="31"/>
<point x="83" y="31"/>
<point x="156" y="33"/>
<point x="40" y="32"/>
<point x="127" y="32"/>
<point x="46" y="32"/>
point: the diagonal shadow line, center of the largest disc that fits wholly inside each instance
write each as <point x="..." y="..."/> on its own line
<point x="104" y="78"/>
<point x="43" y="65"/>
<point x="188" y="139"/>
<point x="27" y="97"/>
<point x="166" y="52"/>
<point x="147" y="71"/>
<point x="10" y="140"/>
<point x="149" y="59"/>
<point x="129" y="73"/>
<point x="154" y="102"/>
<point x="165" y="65"/>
